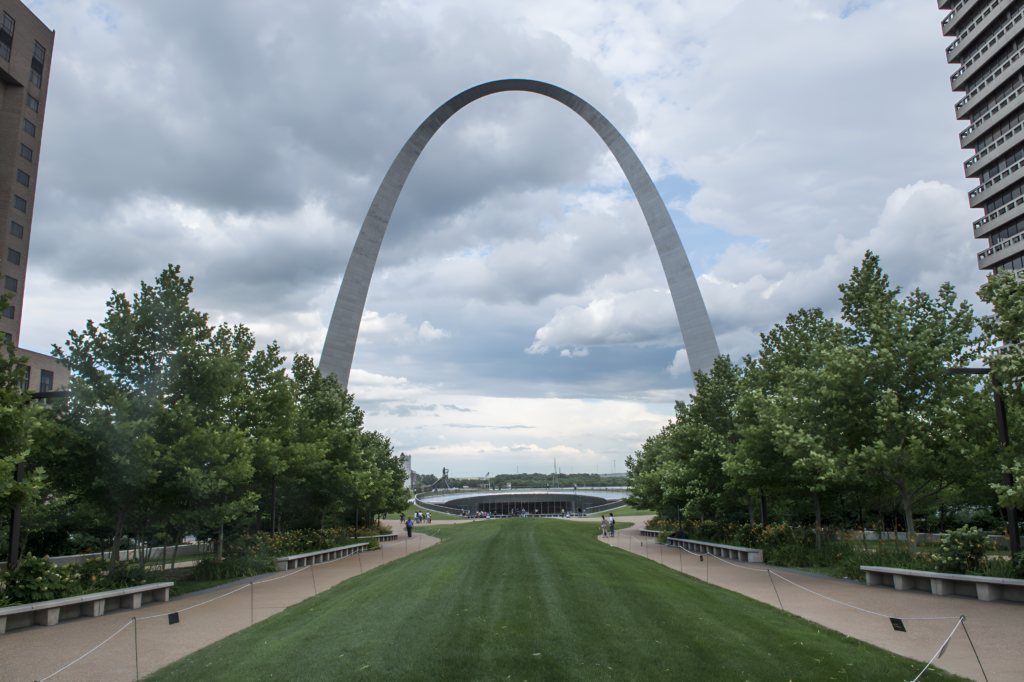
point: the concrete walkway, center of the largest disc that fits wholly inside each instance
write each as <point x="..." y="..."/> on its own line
<point x="34" y="653"/>
<point x="997" y="628"/>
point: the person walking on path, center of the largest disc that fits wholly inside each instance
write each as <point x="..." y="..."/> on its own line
<point x="428" y="517"/>
<point x="408" y="526"/>
<point x="611" y="524"/>
<point x="401" y="517"/>
<point x="604" y="526"/>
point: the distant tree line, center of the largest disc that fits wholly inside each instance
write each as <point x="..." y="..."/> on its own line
<point x="176" y="426"/>
<point x="852" y="421"/>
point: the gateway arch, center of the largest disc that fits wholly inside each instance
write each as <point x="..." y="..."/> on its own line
<point x="340" y="344"/>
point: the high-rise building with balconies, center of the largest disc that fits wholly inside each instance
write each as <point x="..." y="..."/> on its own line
<point x="988" y="51"/>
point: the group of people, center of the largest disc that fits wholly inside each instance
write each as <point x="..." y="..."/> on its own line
<point x="418" y="517"/>
<point x="608" y="525"/>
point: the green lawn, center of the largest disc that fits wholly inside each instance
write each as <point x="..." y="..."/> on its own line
<point x="412" y="509"/>
<point x="535" y="599"/>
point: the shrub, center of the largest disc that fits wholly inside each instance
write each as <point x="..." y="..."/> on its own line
<point x="37" y="579"/>
<point x="373" y="544"/>
<point x="961" y="551"/>
<point x="235" y="566"/>
<point x="124" y="574"/>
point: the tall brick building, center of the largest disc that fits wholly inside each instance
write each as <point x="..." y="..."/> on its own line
<point x="26" y="47"/>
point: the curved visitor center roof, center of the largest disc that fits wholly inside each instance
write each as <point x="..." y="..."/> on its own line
<point x="540" y="502"/>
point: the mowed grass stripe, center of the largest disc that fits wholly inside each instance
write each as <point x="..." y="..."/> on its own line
<point x="493" y="594"/>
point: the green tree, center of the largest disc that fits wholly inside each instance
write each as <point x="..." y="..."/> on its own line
<point x="921" y="430"/>
<point x="148" y="427"/>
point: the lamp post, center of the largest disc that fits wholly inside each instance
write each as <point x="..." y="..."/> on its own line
<point x="1004" y="440"/>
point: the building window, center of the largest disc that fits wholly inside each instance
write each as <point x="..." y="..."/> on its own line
<point x="23" y="384"/>
<point x="45" y="381"/>
<point x="8" y="312"/>
<point x="29" y="127"/>
<point x="23" y="177"/>
<point x="10" y="283"/>
<point x="31" y="102"/>
<point x="6" y="36"/>
<point x="17" y="230"/>
<point x="8" y="338"/>
<point x="20" y="203"/>
<point x="13" y="256"/>
<point x="38" y="57"/>
<point x="26" y="152"/>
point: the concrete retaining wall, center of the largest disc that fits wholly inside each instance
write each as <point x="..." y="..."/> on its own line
<point x="88" y="605"/>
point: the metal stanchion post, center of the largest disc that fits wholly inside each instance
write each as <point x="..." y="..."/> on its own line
<point x="312" y="572"/>
<point x="135" y="625"/>
<point x="360" y="562"/>
<point x="251" y="616"/>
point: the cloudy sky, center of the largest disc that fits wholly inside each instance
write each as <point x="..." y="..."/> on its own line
<point x="518" y="313"/>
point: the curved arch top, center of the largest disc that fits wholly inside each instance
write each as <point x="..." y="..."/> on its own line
<point x="340" y="344"/>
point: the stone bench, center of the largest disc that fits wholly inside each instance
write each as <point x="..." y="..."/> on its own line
<point x="650" y="533"/>
<point x="387" y="538"/>
<point x="747" y="554"/>
<point x="287" y="563"/>
<point x="983" y="588"/>
<point x="87" y="605"/>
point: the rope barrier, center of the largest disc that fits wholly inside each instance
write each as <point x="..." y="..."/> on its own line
<point x="941" y="650"/>
<point x="164" y="615"/>
<point x="88" y="652"/>
<point x="776" y="573"/>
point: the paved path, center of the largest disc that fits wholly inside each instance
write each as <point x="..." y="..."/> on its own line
<point x="33" y="653"/>
<point x="997" y="629"/>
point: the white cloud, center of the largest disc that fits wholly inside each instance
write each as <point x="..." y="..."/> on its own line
<point x="637" y="317"/>
<point x="428" y="333"/>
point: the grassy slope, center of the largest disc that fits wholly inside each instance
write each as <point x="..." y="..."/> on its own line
<point x="623" y="511"/>
<point x="481" y="605"/>
<point x="412" y="509"/>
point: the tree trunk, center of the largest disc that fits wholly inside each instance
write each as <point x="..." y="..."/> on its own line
<point x="115" y="552"/>
<point x="174" y="556"/>
<point x="141" y="545"/>
<point x="24" y="544"/>
<point x="323" y="518"/>
<point x="750" y="507"/>
<point x="764" y="509"/>
<point x="273" y="504"/>
<point x="163" y="554"/>
<point x="220" y="533"/>
<point x="817" y="519"/>
<point x="908" y="514"/>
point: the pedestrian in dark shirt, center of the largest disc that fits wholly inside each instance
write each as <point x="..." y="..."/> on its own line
<point x="408" y="526"/>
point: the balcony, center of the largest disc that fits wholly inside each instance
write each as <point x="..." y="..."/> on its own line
<point x="982" y="22"/>
<point x="949" y="24"/>
<point x="976" y="130"/>
<point x="958" y="80"/>
<point x="998" y="253"/>
<point x="978" y="195"/>
<point x="997" y="219"/>
<point x="995" y="81"/>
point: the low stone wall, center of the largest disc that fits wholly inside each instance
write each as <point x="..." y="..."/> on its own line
<point x="153" y="554"/>
<point x="982" y="588"/>
<point x="287" y="563"/>
<point x="747" y="554"/>
<point x="88" y="605"/>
